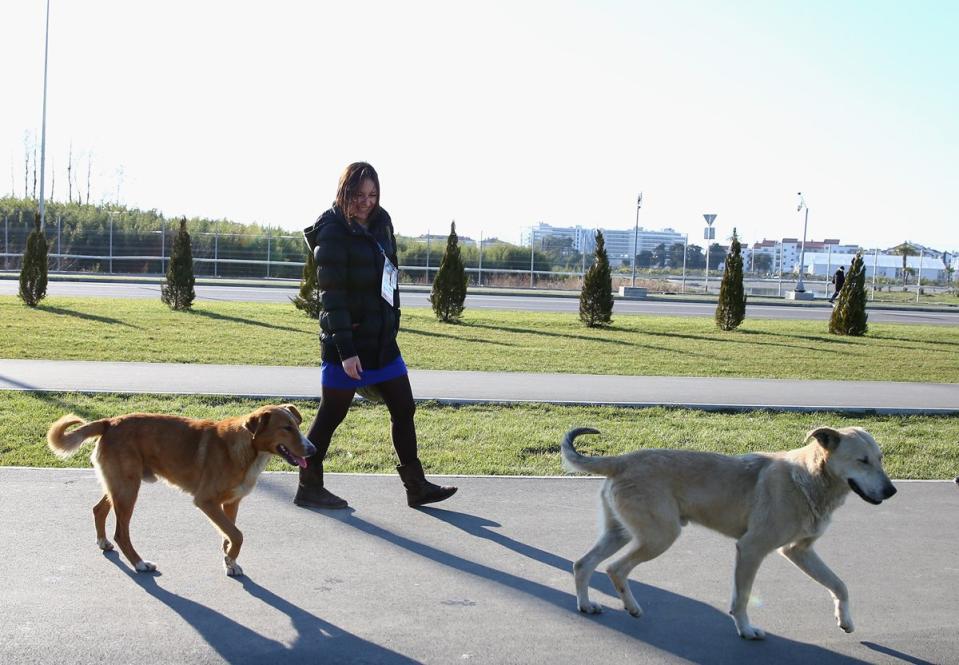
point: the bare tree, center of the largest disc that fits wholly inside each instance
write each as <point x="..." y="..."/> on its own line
<point x="69" y="174"/>
<point x="89" y="161"/>
<point x="26" y="164"/>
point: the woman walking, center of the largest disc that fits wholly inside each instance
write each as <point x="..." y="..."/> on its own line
<point x="356" y="269"/>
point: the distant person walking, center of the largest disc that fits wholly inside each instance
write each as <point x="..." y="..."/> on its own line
<point x="355" y="252"/>
<point x="838" y="279"/>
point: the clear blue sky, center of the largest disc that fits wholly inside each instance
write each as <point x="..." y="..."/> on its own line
<point x="503" y="114"/>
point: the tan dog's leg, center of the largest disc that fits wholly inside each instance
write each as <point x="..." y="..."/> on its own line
<point x="652" y="537"/>
<point x="217" y="515"/>
<point x="230" y="510"/>
<point x="749" y="555"/>
<point x="613" y="537"/>
<point x="804" y="556"/>
<point x="123" y="501"/>
<point x="100" y="512"/>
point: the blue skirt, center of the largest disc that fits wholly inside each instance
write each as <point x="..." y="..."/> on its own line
<point x="333" y="376"/>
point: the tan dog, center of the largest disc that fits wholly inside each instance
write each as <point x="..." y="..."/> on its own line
<point x="217" y="462"/>
<point x="764" y="500"/>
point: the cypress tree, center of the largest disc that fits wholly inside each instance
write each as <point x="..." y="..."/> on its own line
<point x="849" y="315"/>
<point x="33" y="271"/>
<point x="177" y="290"/>
<point x="731" y="308"/>
<point x="449" y="285"/>
<point x="596" y="298"/>
<point x="309" y="299"/>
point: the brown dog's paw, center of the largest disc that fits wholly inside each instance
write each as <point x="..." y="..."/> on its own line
<point x="232" y="567"/>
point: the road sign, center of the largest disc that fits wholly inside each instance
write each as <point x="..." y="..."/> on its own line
<point x="709" y="219"/>
<point x="709" y="233"/>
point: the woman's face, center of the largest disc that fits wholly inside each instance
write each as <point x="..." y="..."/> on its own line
<point x="363" y="201"/>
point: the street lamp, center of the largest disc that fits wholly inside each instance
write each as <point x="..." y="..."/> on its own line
<point x="639" y="204"/>
<point x="43" y="130"/>
<point x="802" y="248"/>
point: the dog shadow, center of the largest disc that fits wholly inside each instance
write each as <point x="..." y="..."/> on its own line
<point x="316" y="640"/>
<point x="703" y="627"/>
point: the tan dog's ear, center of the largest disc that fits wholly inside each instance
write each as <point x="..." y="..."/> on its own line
<point x="827" y="437"/>
<point x="256" y="423"/>
<point x="296" y="414"/>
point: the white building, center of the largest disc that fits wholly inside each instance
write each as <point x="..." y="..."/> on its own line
<point x="884" y="265"/>
<point x="785" y="253"/>
<point x="619" y="242"/>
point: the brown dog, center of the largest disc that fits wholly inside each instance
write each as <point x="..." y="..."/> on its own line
<point x="217" y="462"/>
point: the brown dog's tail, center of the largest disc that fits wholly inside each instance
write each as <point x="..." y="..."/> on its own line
<point x="63" y="444"/>
<point x="573" y="461"/>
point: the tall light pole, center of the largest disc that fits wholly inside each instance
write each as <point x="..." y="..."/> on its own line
<point x="639" y="204"/>
<point x="800" y="288"/>
<point x="43" y="124"/>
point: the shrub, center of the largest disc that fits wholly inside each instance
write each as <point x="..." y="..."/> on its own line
<point x="449" y="285"/>
<point x="33" y="272"/>
<point x="849" y="315"/>
<point x="731" y="308"/>
<point x="596" y="298"/>
<point x="309" y="299"/>
<point x="177" y="290"/>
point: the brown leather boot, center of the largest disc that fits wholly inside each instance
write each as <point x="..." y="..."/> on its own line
<point x="419" y="490"/>
<point x="310" y="492"/>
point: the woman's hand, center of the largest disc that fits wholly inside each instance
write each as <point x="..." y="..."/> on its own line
<point x="353" y="368"/>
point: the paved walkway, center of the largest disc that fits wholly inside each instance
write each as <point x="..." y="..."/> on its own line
<point x="464" y="387"/>
<point x="482" y="578"/>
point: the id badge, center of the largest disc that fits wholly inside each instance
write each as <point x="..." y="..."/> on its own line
<point x="390" y="277"/>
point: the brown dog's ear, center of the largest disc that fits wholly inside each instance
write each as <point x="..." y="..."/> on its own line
<point x="296" y="414"/>
<point x="827" y="437"/>
<point x="256" y="423"/>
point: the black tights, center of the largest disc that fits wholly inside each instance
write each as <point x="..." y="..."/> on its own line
<point x="335" y="402"/>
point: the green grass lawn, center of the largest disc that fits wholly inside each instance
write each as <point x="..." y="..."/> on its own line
<point x="499" y="440"/>
<point x="278" y="334"/>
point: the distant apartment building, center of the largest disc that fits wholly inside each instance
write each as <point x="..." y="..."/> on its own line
<point x="785" y="253"/>
<point x="619" y="242"/>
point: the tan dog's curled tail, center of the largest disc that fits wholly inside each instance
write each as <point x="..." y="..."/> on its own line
<point x="65" y="445"/>
<point x="573" y="461"/>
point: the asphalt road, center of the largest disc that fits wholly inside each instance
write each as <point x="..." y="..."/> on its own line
<point x="482" y="578"/>
<point x="416" y="298"/>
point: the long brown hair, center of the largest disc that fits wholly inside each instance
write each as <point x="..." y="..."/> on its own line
<point x="353" y="176"/>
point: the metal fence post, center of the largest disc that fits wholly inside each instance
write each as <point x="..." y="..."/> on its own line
<point x="481" y="260"/>
<point x="6" y="245"/>
<point x="919" y="277"/>
<point x="530" y="260"/>
<point x="268" y="248"/>
<point x="59" y="250"/>
<point x="162" y="247"/>
<point x="216" y="254"/>
<point x="111" y="244"/>
<point x="875" y="269"/>
<point x="427" y="256"/>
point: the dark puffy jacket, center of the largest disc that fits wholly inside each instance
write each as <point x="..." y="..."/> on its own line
<point x="355" y="320"/>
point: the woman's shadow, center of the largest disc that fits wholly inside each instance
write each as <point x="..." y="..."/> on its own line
<point x="317" y="641"/>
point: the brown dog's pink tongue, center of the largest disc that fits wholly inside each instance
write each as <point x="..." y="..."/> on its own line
<point x="301" y="462"/>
